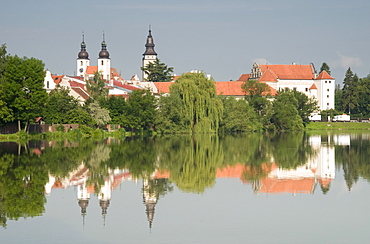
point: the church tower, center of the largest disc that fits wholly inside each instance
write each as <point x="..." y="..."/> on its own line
<point x="149" y="55"/>
<point x="83" y="59"/>
<point x="104" y="61"/>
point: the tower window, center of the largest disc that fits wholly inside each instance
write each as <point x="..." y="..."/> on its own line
<point x="102" y="62"/>
<point x="306" y="89"/>
<point x="327" y="96"/>
<point x="327" y="90"/>
<point x="82" y="63"/>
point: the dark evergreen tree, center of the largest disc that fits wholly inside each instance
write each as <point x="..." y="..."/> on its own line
<point x="158" y="72"/>
<point x="325" y="67"/>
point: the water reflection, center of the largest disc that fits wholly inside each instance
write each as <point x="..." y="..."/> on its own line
<point x="290" y="163"/>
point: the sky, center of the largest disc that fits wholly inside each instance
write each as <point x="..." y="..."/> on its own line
<point x="221" y="38"/>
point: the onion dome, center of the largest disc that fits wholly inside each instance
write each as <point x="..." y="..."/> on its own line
<point x="83" y="54"/>
<point x="104" y="53"/>
<point x="149" y="45"/>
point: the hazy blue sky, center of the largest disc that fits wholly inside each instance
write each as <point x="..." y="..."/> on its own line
<point x="223" y="38"/>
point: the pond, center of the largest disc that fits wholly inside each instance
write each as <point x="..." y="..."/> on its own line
<point x="244" y="188"/>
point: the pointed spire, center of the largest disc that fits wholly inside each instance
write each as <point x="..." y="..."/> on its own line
<point x="149" y="44"/>
<point x="83" y="54"/>
<point x="104" y="53"/>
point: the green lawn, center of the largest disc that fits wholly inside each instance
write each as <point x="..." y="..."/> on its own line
<point x="338" y="126"/>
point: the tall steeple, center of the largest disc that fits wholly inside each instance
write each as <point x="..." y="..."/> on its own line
<point x="83" y="58"/>
<point x="104" y="61"/>
<point x="149" y="55"/>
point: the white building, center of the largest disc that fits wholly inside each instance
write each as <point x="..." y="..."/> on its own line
<point x="302" y="78"/>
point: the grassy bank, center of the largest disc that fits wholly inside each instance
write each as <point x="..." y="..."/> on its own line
<point x="337" y="126"/>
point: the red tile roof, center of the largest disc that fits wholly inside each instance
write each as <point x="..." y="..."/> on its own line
<point x="91" y="69"/>
<point x="324" y="76"/>
<point x="290" y="72"/>
<point x="128" y="87"/>
<point x="268" y="76"/>
<point x="244" y="77"/>
<point x="313" y="87"/>
<point x="80" y="92"/>
<point x="229" y="88"/>
<point x="57" y="78"/>
<point x="163" y="87"/>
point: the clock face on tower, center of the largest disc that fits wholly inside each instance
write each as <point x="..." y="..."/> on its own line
<point x="81" y="70"/>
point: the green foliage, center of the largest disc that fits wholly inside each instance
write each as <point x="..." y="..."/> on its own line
<point x="21" y="90"/>
<point x="60" y="128"/>
<point x="305" y="106"/>
<point x="200" y="108"/>
<point x="140" y="110"/>
<point x="350" y="93"/>
<point x="238" y="116"/>
<point x="3" y="60"/>
<point x="99" y="115"/>
<point x="96" y="88"/>
<point x="158" y="72"/>
<point x="254" y="88"/>
<point x="325" y="67"/>
<point x="286" y="115"/>
<point x="116" y="107"/>
<point x="79" y="116"/>
<point x="59" y="104"/>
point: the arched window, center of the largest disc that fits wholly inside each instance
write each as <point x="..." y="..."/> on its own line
<point x="102" y="62"/>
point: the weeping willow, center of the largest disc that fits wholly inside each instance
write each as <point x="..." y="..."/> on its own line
<point x="194" y="167"/>
<point x="201" y="109"/>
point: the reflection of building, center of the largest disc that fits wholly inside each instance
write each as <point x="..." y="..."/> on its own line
<point x="150" y="200"/>
<point x="79" y="177"/>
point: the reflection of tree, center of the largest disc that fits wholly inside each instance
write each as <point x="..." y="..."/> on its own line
<point x="136" y="155"/>
<point x="193" y="165"/>
<point x="22" y="181"/>
<point x="291" y="150"/>
<point x="354" y="160"/>
<point x="95" y="163"/>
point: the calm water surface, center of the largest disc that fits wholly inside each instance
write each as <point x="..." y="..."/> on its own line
<point x="252" y="188"/>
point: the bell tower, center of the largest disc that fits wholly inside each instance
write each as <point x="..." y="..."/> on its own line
<point x="104" y="61"/>
<point x="149" y="55"/>
<point x="83" y="58"/>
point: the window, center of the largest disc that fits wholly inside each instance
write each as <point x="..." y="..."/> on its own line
<point x="326" y="81"/>
<point x="306" y="89"/>
<point x="82" y="63"/>
<point x="327" y="96"/>
<point x="327" y="104"/>
<point x="294" y="88"/>
<point x="286" y="89"/>
<point x="327" y="90"/>
<point x="47" y="84"/>
<point x="102" y="62"/>
<point x="329" y="81"/>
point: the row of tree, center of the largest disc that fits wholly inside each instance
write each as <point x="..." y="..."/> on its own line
<point x="354" y="97"/>
<point x="191" y="107"/>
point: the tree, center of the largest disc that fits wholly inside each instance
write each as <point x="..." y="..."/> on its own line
<point x="350" y="92"/>
<point x="305" y="106"/>
<point x="116" y="107"/>
<point x="3" y="58"/>
<point x="22" y="89"/>
<point x="325" y="67"/>
<point x="99" y="115"/>
<point x="239" y="116"/>
<point x="96" y="88"/>
<point x="157" y="72"/>
<point x="79" y="116"/>
<point x="58" y="105"/>
<point x="286" y="115"/>
<point x="201" y="110"/>
<point x="140" y="110"/>
<point x="253" y="88"/>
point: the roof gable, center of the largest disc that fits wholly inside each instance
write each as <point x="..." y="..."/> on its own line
<point x="324" y="76"/>
<point x="91" y="69"/>
<point x="244" y="77"/>
<point x="163" y="87"/>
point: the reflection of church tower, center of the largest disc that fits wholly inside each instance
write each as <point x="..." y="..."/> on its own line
<point x="83" y="199"/>
<point x="104" y="61"/>
<point x="149" y="56"/>
<point x="150" y="200"/>
<point x="104" y="197"/>
<point x="83" y="59"/>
